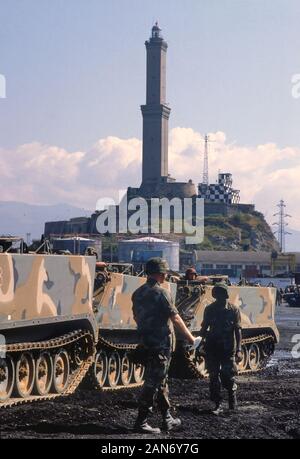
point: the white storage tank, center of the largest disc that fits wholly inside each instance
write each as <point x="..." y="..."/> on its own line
<point x="138" y="251"/>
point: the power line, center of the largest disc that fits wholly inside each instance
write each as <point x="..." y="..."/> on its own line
<point x="282" y="224"/>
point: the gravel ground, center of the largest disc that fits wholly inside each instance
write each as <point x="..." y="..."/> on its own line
<point x="269" y="405"/>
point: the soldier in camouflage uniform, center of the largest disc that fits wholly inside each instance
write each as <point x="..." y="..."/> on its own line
<point x="155" y="315"/>
<point x="221" y="330"/>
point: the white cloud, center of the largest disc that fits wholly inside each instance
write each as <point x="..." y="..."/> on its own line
<point x="43" y="174"/>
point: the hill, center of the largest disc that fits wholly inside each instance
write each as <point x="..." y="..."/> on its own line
<point x="242" y="231"/>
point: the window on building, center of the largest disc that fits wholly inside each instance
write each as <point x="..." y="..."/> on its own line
<point x="207" y="266"/>
<point x="222" y="266"/>
<point x="281" y="268"/>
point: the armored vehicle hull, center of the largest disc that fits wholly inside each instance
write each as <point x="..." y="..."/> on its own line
<point x="259" y="330"/>
<point x="47" y="325"/>
<point x="113" y="368"/>
<point x="56" y="330"/>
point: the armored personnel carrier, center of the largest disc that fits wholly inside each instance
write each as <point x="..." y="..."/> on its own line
<point x="113" y="368"/>
<point x="60" y="324"/>
<point x="48" y="329"/>
<point x="259" y="330"/>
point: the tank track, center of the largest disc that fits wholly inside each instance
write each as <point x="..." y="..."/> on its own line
<point x="110" y="347"/>
<point x="184" y="363"/>
<point x="67" y="341"/>
<point x="190" y="365"/>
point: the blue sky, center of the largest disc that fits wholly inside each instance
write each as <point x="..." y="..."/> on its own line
<point x="75" y="69"/>
<point x="71" y="127"/>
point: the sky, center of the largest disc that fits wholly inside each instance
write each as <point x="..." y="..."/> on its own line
<point x="71" y="127"/>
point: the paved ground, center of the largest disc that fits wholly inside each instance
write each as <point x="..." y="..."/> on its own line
<point x="269" y="405"/>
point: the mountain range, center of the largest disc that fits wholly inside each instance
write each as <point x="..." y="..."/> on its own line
<point x="19" y="219"/>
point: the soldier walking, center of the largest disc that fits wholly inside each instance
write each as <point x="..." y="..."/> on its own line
<point x="155" y="315"/>
<point x="221" y="332"/>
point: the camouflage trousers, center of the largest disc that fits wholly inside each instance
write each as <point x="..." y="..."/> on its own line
<point x="156" y="381"/>
<point x="222" y="372"/>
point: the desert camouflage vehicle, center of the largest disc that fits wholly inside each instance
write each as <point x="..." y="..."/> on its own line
<point x="113" y="368"/>
<point x="60" y="325"/>
<point x="48" y="329"/>
<point x="259" y="330"/>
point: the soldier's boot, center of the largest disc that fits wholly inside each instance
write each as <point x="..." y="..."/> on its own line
<point x="232" y="401"/>
<point x="141" y="424"/>
<point x="169" y="422"/>
<point x="218" y="408"/>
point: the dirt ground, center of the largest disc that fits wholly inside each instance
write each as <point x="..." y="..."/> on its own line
<point x="269" y="405"/>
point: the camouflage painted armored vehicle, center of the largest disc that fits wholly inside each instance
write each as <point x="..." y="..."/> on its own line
<point x="259" y="330"/>
<point x="113" y="368"/>
<point x="54" y="331"/>
<point x="47" y="325"/>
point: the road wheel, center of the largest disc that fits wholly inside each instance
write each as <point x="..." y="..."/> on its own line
<point x="61" y="371"/>
<point x="138" y="373"/>
<point x="114" y="368"/>
<point x="7" y="378"/>
<point x="25" y="375"/>
<point x="43" y="374"/>
<point x="126" y="370"/>
<point x="243" y="364"/>
<point x="254" y="356"/>
<point x="100" y="368"/>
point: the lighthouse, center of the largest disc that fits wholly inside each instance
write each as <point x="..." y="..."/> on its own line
<point x="156" y="180"/>
<point x="155" y="112"/>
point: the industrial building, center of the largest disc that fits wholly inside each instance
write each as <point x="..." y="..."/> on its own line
<point x="246" y="264"/>
<point x="138" y="251"/>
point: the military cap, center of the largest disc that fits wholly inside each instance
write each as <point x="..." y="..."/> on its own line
<point x="217" y="286"/>
<point x="156" y="265"/>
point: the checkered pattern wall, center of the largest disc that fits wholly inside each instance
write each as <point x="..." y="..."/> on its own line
<point x="221" y="191"/>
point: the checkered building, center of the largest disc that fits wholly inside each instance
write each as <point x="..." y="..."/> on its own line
<point x="221" y="191"/>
